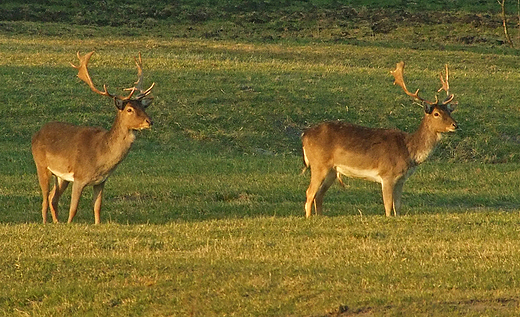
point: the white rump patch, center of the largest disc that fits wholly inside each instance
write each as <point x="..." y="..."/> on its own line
<point x="371" y="175"/>
<point x="69" y="177"/>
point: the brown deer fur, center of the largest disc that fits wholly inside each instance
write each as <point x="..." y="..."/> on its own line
<point x="83" y="155"/>
<point x="385" y="156"/>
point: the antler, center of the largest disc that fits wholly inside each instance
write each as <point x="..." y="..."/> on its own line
<point x="138" y="85"/>
<point x="83" y="75"/>
<point x="398" y="75"/>
<point x="446" y="87"/>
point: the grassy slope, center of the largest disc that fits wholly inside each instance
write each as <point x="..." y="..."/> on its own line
<point x="212" y="224"/>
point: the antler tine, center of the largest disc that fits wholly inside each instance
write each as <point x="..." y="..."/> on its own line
<point x="138" y="85"/>
<point x="398" y="76"/>
<point x="147" y="91"/>
<point x="139" y="63"/>
<point x="446" y="87"/>
<point x="132" y="91"/>
<point x="445" y="83"/>
<point x="84" y="76"/>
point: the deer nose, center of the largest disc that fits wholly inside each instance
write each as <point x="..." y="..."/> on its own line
<point x="150" y="122"/>
<point x="455" y="126"/>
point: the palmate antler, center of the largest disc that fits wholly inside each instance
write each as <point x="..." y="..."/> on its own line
<point x="398" y="76"/>
<point x="84" y="76"/>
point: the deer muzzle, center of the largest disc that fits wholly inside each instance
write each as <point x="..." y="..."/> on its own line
<point x="454" y="126"/>
<point x="146" y="124"/>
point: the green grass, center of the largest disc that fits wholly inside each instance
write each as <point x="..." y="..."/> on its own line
<point x="205" y="215"/>
<point x="448" y="264"/>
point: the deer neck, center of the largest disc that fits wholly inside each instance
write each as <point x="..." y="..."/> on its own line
<point x="421" y="143"/>
<point x="119" y="140"/>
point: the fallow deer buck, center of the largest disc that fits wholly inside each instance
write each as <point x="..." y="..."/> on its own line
<point x="386" y="156"/>
<point x="84" y="155"/>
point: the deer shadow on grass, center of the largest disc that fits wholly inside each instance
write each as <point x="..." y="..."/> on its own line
<point x="173" y="206"/>
<point x="139" y="208"/>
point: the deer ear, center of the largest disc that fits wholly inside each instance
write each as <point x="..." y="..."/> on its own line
<point x="451" y="107"/>
<point x="120" y="104"/>
<point x="145" y="102"/>
<point x="428" y="108"/>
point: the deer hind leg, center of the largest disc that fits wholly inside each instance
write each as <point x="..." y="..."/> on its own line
<point x="320" y="182"/>
<point x="59" y="187"/>
<point x="338" y="174"/>
<point x="43" y="178"/>
<point x="77" y="189"/>
<point x="325" y="185"/>
<point x="388" y="196"/>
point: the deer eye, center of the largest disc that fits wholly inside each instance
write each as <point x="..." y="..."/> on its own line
<point x="435" y="114"/>
<point x="129" y="110"/>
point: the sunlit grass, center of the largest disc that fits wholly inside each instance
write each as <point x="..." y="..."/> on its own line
<point x="205" y="215"/>
<point x="265" y="266"/>
<point x="276" y="89"/>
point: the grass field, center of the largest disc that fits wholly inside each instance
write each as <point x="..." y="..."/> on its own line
<point x="205" y="216"/>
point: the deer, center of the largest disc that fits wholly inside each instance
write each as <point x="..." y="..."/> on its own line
<point x="385" y="156"/>
<point x="84" y="155"/>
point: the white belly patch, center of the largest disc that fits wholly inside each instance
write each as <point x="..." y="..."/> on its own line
<point x="371" y="175"/>
<point x="69" y="177"/>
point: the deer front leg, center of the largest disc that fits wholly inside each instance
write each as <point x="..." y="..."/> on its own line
<point x="98" y="196"/>
<point x="388" y="196"/>
<point x="77" y="189"/>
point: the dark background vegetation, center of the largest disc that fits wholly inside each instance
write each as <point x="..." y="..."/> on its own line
<point x="255" y="19"/>
<point x="120" y="13"/>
